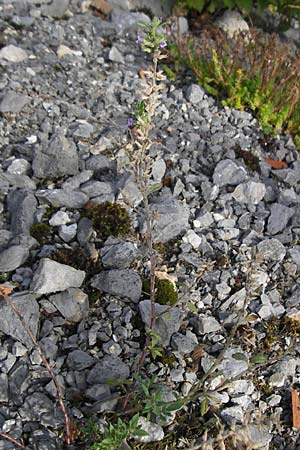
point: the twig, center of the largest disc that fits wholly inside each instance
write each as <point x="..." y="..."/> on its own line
<point x="48" y="367"/>
<point x="13" y="440"/>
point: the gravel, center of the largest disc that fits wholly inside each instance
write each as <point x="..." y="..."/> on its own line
<point x="226" y="234"/>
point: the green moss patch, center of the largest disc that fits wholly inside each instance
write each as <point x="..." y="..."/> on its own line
<point x="109" y="219"/>
<point x="165" y="291"/>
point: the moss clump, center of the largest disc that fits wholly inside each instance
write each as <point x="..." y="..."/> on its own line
<point x="165" y="291"/>
<point x="109" y="219"/>
<point x="41" y="232"/>
<point x="74" y="257"/>
<point x="4" y="276"/>
<point x="167" y="359"/>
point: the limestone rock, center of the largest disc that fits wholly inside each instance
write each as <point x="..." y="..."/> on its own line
<point x="52" y="276"/>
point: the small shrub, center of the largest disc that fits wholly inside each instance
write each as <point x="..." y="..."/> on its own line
<point x="165" y="291"/>
<point x="41" y="232"/>
<point x="258" y="73"/>
<point x="109" y="219"/>
<point x="76" y="258"/>
<point x="288" y="8"/>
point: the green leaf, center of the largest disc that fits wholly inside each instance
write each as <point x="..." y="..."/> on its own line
<point x="245" y="5"/>
<point x="239" y="357"/>
<point x="260" y="358"/>
<point x="192" y="307"/>
<point x="174" y="406"/>
<point x="195" y="4"/>
<point x="204" y="406"/>
<point x="262" y="4"/>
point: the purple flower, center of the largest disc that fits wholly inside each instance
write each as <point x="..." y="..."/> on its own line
<point x="139" y="39"/>
<point x="163" y="44"/>
<point x="130" y="122"/>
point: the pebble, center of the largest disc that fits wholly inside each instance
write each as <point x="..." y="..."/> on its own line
<point x="13" y="54"/>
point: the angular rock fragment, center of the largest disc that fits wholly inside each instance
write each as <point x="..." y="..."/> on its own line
<point x="63" y="197"/>
<point x="72" y="303"/>
<point x="279" y="218"/>
<point x="124" y="283"/>
<point x="52" y="276"/>
<point x="13" y="102"/>
<point x="172" y="217"/>
<point x="250" y="192"/>
<point x="168" y="320"/>
<point x="109" y="367"/>
<point x="21" y="206"/>
<point x="13" y="257"/>
<point x="59" y="157"/>
<point x="11" y="325"/>
<point x="271" y="249"/>
<point x="13" y="54"/>
<point x="118" y="254"/>
<point x="228" y="172"/>
<point x="80" y="360"/>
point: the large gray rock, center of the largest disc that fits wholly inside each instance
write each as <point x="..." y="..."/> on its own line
<point x="158" y="7"/>
<point x="95" y="188"/>
<point x="154" y="431"/>
<point x="109" y="367"/>
<point x="73" y="304"/>
<point x="13" y="54"/>
<point x="228" y="172"/>
<point x="124" y="283"/>
<point x="204" y="324"/>
<point x="16" y="180"/>
<point x="21" y="206"/>
<point x="195" y="94"/>
<point x="55" y="9"/>
<point x="118" y="254"/>
<point x="52" y="276"/>
<point x="11" y="325"/>
<point x="79" y="360"/>
<point x="250" y="192"/>
<point x="58" y="158"/>
<point x="233" y="23"/>
<point x="63" y="197"/>
<point x="13" y="257"/>
<point x="172" y="217"/>
<point x="13" y="102"/>
<point x="125" y="20"/>
<point x="168" y="320"/>
<point x="4" y="388"/>
<point x="184" y="343"/>
<point x="279" y="218"/>
<point x="37" y="407"/>
<point x="271" y="249"/>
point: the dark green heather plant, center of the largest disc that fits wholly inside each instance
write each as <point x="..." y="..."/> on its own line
<point x="289" y="8"/>
<point x="109" y="219"/>
<point x="256" y="72"/>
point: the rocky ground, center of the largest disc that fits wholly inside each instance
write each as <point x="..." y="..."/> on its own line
<point x="227" y="231"/>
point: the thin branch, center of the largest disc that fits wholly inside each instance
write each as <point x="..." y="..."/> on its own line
<point x="48" y="367"/>
<point x="13" y="440"/>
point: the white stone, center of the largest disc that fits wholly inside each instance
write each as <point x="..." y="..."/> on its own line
<point x="63" y="50"/>
<point x="13" y="54"/>
<point x="115" y="55"/>
<point x="68" y="232"/>
<point x="158" y="169"/>
<point x="249" y="192"/>
<point x="233" y="23"/>
<point x="192" y="238"/>
<point x="59" y="218"/>
<point x="155" y="432"/>
<point x="19" y="167"/>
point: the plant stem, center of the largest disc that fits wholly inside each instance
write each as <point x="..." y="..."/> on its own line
<point x="13" y="440"/>
<point x="48" y="367"/>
